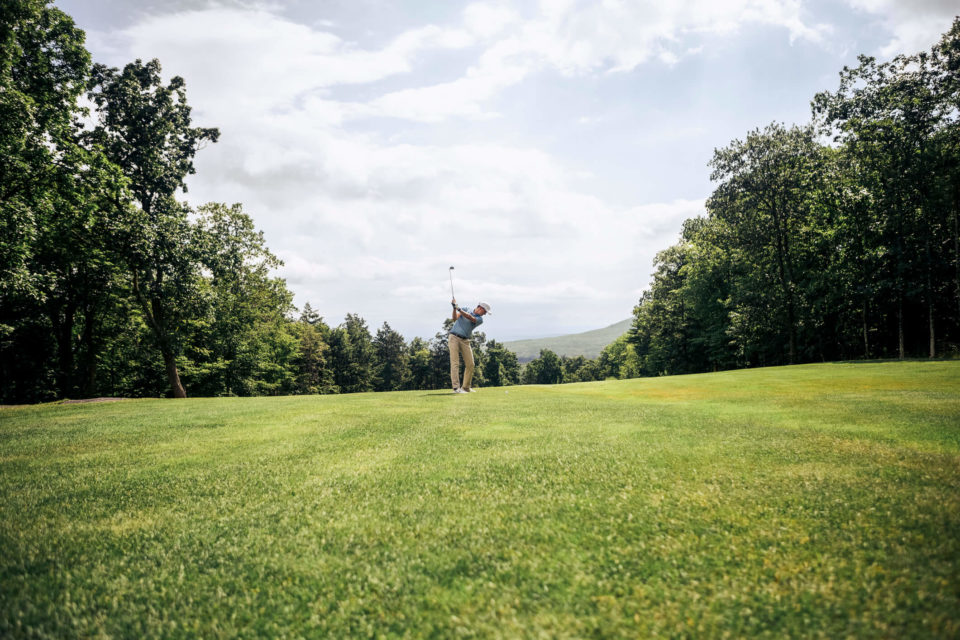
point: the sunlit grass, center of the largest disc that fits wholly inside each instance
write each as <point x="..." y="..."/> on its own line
<point x="813" y="501"/>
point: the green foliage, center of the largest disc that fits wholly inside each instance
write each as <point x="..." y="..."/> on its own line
<point x="764" y="199"/>
<point x="45" y="182"/>
<point x="392" y="363"/>
<point x="579" y="369"/>
<point x="619" y="360"/>
<point x="546" y="369"/>
<point x="313" y="372"/>
<point x="144" y="128"/>
<point x="421" y="374"/>
<point x="501" y="367"/>
<point x="352" y="355"/>
<point x="796" y="502"/>
<point x="43" y="69"/>
<point x="243" y="341"/>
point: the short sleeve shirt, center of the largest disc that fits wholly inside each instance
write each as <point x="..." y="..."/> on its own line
<point x="463" y="327"/>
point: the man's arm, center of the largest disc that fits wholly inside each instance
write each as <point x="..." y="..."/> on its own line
<point x="472" y="318"/>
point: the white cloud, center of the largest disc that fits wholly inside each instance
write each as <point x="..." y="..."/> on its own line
<point x="618" y="36"/>
<point x="487" y="20"/>
<point x="254" y="59"/>
<point x="915" y="25"/>
<point x="583" y="37"/>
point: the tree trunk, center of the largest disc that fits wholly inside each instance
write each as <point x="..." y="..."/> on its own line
<point x="866" y="335"/>
<point x="62" y="318"/>
<point x="900" y="324"/>
<point x="89" y="385"/>
<point x="786" y="282"/>
<point x="173" y="375"/>
<point x="933" y="351"/>
<point x="900" y="269"/>
<point x="956" y="243"/>
<point x="153" y="312"/>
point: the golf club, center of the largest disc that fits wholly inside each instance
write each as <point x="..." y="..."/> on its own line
<point x="452" y="297"/>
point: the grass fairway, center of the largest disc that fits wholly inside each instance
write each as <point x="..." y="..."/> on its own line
<point x="808" y="501"/>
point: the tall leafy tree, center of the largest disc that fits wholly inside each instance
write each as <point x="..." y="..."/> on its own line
<point x="619" y="360"/>
<point x="886" y="115"/>
<point x="501" y="367"/>
<point x="233" y="348"/>
<point x="145" y="128"/>
<point x="392" y="363"/>
<point x="43" y="70"/>
<point x="945" y="64"/>
<point x="547" y="368"/>
<point x="420" y="372"/>
<point x="352" y="355"/>
<point x="766" y="190"/>
<point x="662" y="316"/>
<point x="35" y="107"/>
<point x="76" y="265"/>
<point x="312" y="366"/>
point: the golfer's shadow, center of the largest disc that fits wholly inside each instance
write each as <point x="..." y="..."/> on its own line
<point x="438" y="393"/>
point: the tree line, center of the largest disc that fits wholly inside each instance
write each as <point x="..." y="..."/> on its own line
<point x="616" y="361"/>
<point x="109" y="285"/>
<point x="835" y="240"/>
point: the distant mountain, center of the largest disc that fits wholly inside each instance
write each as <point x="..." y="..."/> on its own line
<point x="588" y="344"/>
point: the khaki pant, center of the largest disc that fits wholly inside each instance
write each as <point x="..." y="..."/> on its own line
<point x="460" y="347"/>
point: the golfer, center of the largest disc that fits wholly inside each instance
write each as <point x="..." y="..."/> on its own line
<point x="464" y="323"/>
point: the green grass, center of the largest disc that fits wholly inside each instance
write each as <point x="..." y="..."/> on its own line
<point x="588" y="344"/>
<point x="810" y="501"/>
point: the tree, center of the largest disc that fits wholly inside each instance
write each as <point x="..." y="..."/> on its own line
<point x="619" y="360"/>
<point x="392" y="366"/>
<point x="767" y="183"/>
<point x="478" y="345"/>
<point x="501" y="367"/>
<point x="888" y="115"/>
<point x="946" y="67"/>
<point x="352" y="355"/>
<point x="75" y="265"/>
<point x="313" y="374"/>
<point x="144" y="127"/>
<point x="661" y="318"/>
<point x="233" y="348"/>
<point x="545" y="369"/>
<point x="43" y="177"/>
<point x="420" y="372"/>
<point x="43" y="70"/>
<point x="589" y="371"/>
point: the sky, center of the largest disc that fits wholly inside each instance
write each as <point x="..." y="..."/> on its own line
<point x="547" y="150"/>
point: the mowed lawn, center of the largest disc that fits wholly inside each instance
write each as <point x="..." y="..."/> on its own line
<point x="808" y="501"/>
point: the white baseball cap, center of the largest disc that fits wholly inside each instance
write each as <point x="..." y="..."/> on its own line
<point x="485" y="306"/>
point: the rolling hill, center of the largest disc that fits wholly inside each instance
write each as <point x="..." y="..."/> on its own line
<point x="588" y="344"/>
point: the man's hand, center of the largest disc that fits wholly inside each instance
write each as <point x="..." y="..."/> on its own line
<point x="454" y="303"/>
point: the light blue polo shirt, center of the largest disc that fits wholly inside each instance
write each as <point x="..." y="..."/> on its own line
<point x="463" y="327"/>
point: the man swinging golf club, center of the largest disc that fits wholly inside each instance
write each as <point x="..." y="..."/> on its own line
<point x="464" y="322"/>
